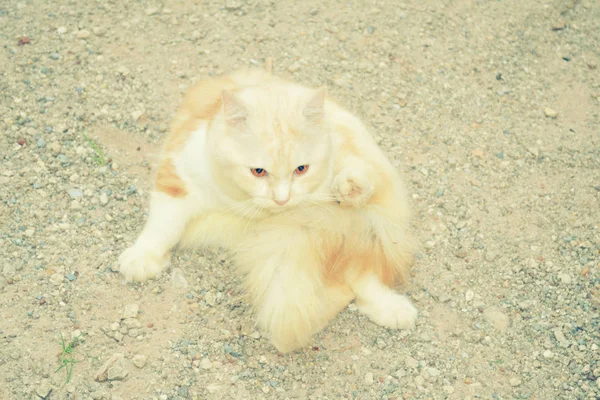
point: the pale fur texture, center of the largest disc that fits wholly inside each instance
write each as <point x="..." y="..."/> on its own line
<point x="306" y="241"/>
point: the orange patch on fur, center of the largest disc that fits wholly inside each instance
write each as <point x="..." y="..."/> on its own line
<point x="390" y="266"/>
<point x="180" y="133"/>
<point x="202" y="103"/>
<point x="167" y="180"/>
<point x="381" y="196"/>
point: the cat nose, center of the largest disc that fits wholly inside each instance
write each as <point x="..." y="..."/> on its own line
<point x="281" y="193"/>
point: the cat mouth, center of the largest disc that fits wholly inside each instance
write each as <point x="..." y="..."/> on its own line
<point x="278" y="209"/>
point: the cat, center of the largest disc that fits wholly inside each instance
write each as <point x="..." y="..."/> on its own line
<point x="295" y="186"/>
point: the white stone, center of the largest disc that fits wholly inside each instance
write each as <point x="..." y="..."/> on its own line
<point x="56" y="279"/>
<point x="206" y="364"/>
<point x="82" y="34"/>
<point x="469" y="295"/>
<point x="178" y="279"/>
<point x="131" y="311"/>
<point x="550" y="113"/>
<point x="139" y="360"/>
<point x="565" y="278"/>
<point x="103" y="198"/>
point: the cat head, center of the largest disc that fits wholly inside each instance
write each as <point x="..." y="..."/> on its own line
<point x="274" y="148"/>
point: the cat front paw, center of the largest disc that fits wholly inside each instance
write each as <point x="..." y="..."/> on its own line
<point x="395" y="312"/>
<point x="138" y="263"/>
<point x="352" y="189"/>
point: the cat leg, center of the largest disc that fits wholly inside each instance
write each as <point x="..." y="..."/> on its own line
<point x="382" y="304"/>
<point x="149" y="255"/>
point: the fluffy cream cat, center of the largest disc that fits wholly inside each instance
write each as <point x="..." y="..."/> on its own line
<point x="312" y="210"/>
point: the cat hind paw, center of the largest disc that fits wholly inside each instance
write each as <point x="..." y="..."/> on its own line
<point x="396" y="312"/>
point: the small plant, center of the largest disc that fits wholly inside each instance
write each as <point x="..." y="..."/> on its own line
<point x="98" y="153"/>
<point x="67" y="361"/>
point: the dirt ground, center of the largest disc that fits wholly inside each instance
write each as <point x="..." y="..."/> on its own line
<point x="490" y="110"/>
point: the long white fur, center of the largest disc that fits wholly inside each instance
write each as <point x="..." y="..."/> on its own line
<point x="278" y="249"/>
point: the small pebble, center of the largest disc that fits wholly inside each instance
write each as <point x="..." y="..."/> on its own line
<point x="210" y="298"/>
<point x="411" y="362"/>
<point x="233" y="5"/>
<point x="43" y="389"/>
<point x="75" y="193"/>
<point x="118" y="371"/>
<point x="550" y="113"/>
<point x="444" y="297"/>
<point x="255" y="335"/>
<point x="461" y="253"/>
<point x="495" y="317"/>
<point x="131" y="311"/>
<point x="560" y="338"/>
<point x="469" y="295"/>
<point x="82" y="34"/>
<point x="294" y="67"/>
<point x="139" y="360"/>
<point x="104" y="198"/>
<point x="491" y="255"/>
<point x="178" y="280"/>
<point x="565" y="279"/>
<point x="206" y="364"/>
<point x="56" y="279"/>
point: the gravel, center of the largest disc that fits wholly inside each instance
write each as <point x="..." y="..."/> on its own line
<point x="490" y="110"/>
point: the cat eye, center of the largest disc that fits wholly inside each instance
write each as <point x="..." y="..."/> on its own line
<point x="258" y="172"/>
<point x="301" y="170"/>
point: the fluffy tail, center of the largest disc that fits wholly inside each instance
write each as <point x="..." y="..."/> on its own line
<point x="375" y="239"/>
<point x="282" y="277"/>
<point x="391" y="252"/>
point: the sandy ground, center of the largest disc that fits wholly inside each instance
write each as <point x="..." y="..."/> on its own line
<point x="490" y="109"/>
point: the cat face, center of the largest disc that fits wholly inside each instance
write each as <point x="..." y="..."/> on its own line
<point x="275" y="151"/>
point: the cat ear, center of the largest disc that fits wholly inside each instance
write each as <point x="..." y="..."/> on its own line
<point x="235" y="112"/>
<point x="314" y="110"/>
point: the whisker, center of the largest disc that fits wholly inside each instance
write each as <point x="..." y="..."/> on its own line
<point x="257" y="209"/>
